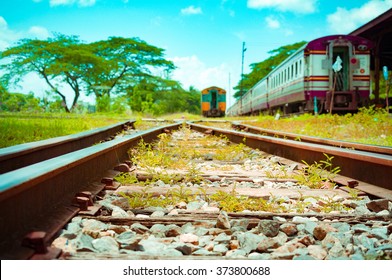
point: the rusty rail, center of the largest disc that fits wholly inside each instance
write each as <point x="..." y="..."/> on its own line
<point x="43" y="192"/>
<point x="310" y="139"/>
<point x="40" y="197"/>
<point x="22" y="155"/>
<point x="372" y="168"/>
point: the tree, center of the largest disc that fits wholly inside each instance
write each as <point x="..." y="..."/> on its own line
<point x="46" y="58"/>
<point x="126" y="61"/>
<point x="261" y="69"/>
<point x="100" y="67"/>
<point x="16" y="102"/>
<point x="160" y="96"/>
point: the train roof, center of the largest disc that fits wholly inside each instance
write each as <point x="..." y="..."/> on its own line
<point x="321" y="43"/>
<point x="206" y="90"/>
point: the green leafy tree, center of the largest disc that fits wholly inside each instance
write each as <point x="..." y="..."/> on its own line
<point x="17" y="102"/>
<point x="4" y="95"/>
<point x="100" y="67"/>
<point x="126" y="62"/>
<point x="53" y="60"/>
<point x="119" y="105"/>
<point x="261" y="69"/>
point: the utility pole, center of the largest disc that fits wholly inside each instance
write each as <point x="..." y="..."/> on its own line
<point x="242" y="75"/>
<point x="229" y="92"/>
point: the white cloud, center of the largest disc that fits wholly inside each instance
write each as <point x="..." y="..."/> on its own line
<point x="296" y="6"/>
<point x="86" y="3"/>
<point x="7" y="36"/>
<point x="344" y="21"/>
<point x="81" y="3"/>
<point x="191" y="10"/>
<point x="191" y="71"/>
<point x="53" y="3"/>
<point x="272" y="22"/>
<point x="39" y="32"/>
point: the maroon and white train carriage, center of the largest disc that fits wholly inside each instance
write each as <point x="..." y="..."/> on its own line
<point x="333" y="68"/>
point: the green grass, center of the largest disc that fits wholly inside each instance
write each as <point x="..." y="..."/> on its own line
<point x="369" y="126"/>
<point x="22" y="128"/>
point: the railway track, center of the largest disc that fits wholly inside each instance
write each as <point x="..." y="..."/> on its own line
<point x="22" y="155"/>
<point x="310" y="139"/>
<point x="78" y="196"/>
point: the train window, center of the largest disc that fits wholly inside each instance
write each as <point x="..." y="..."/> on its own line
<point x="296" y="69"/>
<point x="292" y="71"/>
<point x="288" y="74"/>
<point x="300" y="67"/>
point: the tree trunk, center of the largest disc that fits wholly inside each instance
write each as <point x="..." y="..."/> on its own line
<point x="64" y="103"/>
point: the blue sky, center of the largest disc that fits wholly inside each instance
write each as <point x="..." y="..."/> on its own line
<point x="202" y="37"/>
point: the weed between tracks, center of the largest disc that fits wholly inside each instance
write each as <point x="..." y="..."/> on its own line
<point x="233" y="202"/>
<point x="319" y="174"/>
<point x="183" y="154"/>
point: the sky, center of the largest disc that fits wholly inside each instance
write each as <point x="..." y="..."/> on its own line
<point x="204" y="38"/>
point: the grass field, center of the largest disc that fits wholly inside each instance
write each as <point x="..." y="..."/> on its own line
<point x="21" y="128"/>
<point x="368" y="126"/>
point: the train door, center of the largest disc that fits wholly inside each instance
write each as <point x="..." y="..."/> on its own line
<point x="341" y="96"/>
<point x="214" y="99"/>
<point x="341" y="77"/>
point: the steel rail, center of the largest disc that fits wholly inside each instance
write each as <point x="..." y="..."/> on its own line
<point x="372" y="168"/>
<point x="22" y="155"/>
<point x="38" y="196"/>
<point x="310" y="139"/>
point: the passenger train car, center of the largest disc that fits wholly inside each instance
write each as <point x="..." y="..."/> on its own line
<point x="328" y="73"/>
<point x="213" y="102"/>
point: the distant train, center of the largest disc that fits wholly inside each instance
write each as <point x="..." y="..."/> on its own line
<point x="213" y="102"/>
<point x="328" y="73"/>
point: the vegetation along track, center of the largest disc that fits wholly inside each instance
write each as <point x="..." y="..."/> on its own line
<point x="191" y="196"/>
<point x="310" y="139"/>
